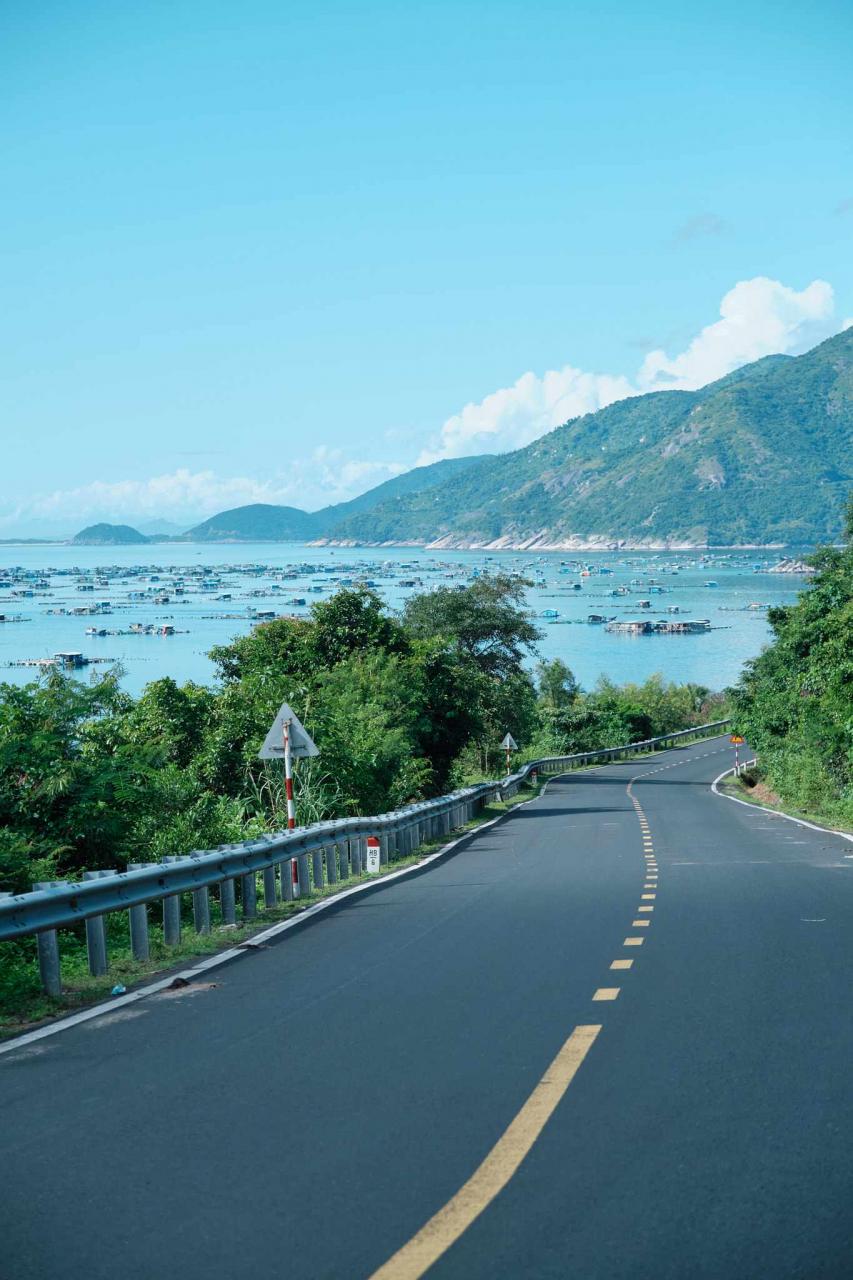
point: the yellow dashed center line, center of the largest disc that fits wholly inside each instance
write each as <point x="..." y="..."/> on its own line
<point x="621" y="964"/>
<point x="446" y="1226"/>
<point x="606" y="993"/>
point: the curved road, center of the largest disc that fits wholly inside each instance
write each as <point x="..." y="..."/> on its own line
<point x="432" y="1052"/>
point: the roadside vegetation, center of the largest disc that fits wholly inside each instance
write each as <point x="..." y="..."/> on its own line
<point x="402" y="707"/>
<point x="794" y="703"/>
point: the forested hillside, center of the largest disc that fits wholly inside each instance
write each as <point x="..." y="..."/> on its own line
<point x="763" y="456"/>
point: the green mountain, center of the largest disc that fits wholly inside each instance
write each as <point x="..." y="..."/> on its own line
<point x="264" y="522"/>
<point x="108" y="535"/>
<point x="258" y="522"/>
<point x="764" y="455"/>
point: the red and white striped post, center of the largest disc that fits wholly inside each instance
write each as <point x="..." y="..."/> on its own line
<point x="288" y="777"/>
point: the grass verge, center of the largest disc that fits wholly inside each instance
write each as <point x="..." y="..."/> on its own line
<point x="750" y="787"/>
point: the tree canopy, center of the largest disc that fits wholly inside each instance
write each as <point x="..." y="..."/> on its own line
<point x="795" y="701"/>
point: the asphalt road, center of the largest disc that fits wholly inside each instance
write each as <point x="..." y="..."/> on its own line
<point x="308" y="1114"/>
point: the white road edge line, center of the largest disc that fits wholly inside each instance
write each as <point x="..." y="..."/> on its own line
<point x="774" y="813"/>
<point x="233" y="953"/>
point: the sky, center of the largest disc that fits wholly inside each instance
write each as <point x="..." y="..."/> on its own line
<point x="281" y="251"/>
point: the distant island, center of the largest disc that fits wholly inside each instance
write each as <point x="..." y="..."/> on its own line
<point x="108" y="535"/>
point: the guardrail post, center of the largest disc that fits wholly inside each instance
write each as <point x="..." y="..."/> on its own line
<point x="171" y="911"/>
<point x="331" y="851"/>
<point x="304" y="876"/>
<point x="287" y="880"/>
<point x="228" y="902"/>
<point x="270" y="897"/>
<point x="47" y="944"/>
<point x="201" y="909"/>
<point x="138" y="917"/>
<point x="96" y="934"/>
<point x="249" y="895"/>
<point x="317" y="861"/>
<point x="384" y="842"/>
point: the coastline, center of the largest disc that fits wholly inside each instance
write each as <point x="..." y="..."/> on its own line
<point x="538" y="543"/>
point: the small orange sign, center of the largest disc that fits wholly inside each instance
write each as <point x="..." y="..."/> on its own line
<point x="737" y="739"/>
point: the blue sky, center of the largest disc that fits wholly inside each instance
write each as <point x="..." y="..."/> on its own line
<point x="278" y="251"/>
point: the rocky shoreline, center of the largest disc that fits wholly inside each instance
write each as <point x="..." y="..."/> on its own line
<point x="539" y="543"/>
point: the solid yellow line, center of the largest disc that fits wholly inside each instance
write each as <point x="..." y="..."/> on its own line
<point x="446" y="1226"/>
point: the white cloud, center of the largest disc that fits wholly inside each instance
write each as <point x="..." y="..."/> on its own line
<point x="758" y="317"/>
<point x="185" y="496"/>
<point x="518" y="414"/>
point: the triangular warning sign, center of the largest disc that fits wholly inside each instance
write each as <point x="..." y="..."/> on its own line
<point x="301" y="743"/>
<point x="509" y="743"/>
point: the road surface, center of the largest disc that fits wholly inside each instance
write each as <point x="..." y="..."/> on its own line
<point x="423" y="1079"/>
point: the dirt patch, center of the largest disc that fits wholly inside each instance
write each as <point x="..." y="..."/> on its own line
<point x="181" y="987"/>
<point x="762" y="793"/>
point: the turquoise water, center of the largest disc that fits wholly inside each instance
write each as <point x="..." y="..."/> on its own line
<point x="275" y="574"/>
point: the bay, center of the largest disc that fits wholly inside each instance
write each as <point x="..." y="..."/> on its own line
<point x="189" y="580"/>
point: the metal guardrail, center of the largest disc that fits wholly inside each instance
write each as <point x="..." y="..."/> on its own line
<point x="293" y="865"/>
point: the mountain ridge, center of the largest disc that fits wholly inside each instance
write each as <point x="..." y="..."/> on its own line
<point x="262" y="522"/>
<point x="760" y="457"/>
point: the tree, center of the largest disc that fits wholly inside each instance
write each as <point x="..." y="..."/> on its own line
<point x="485" y="620"/>
<point x="556" y="684"/>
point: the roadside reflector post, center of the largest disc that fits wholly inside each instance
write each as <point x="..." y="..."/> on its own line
<point x="249" y="895"/>
<point x="373" y="854"/>
<point x="738" y="741"/>
<point x="304" y="876"/>
<point x="171" y="911"/>
<point x="227" y="902"/>
<point x="138" y="916"/>
<point x="96" y="933"/>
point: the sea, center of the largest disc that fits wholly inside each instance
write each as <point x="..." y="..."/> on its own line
<point x="157" y="610"/>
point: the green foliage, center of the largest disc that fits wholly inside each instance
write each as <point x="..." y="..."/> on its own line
<point x="401" y="709"/>
<point x="795" y="701"/>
